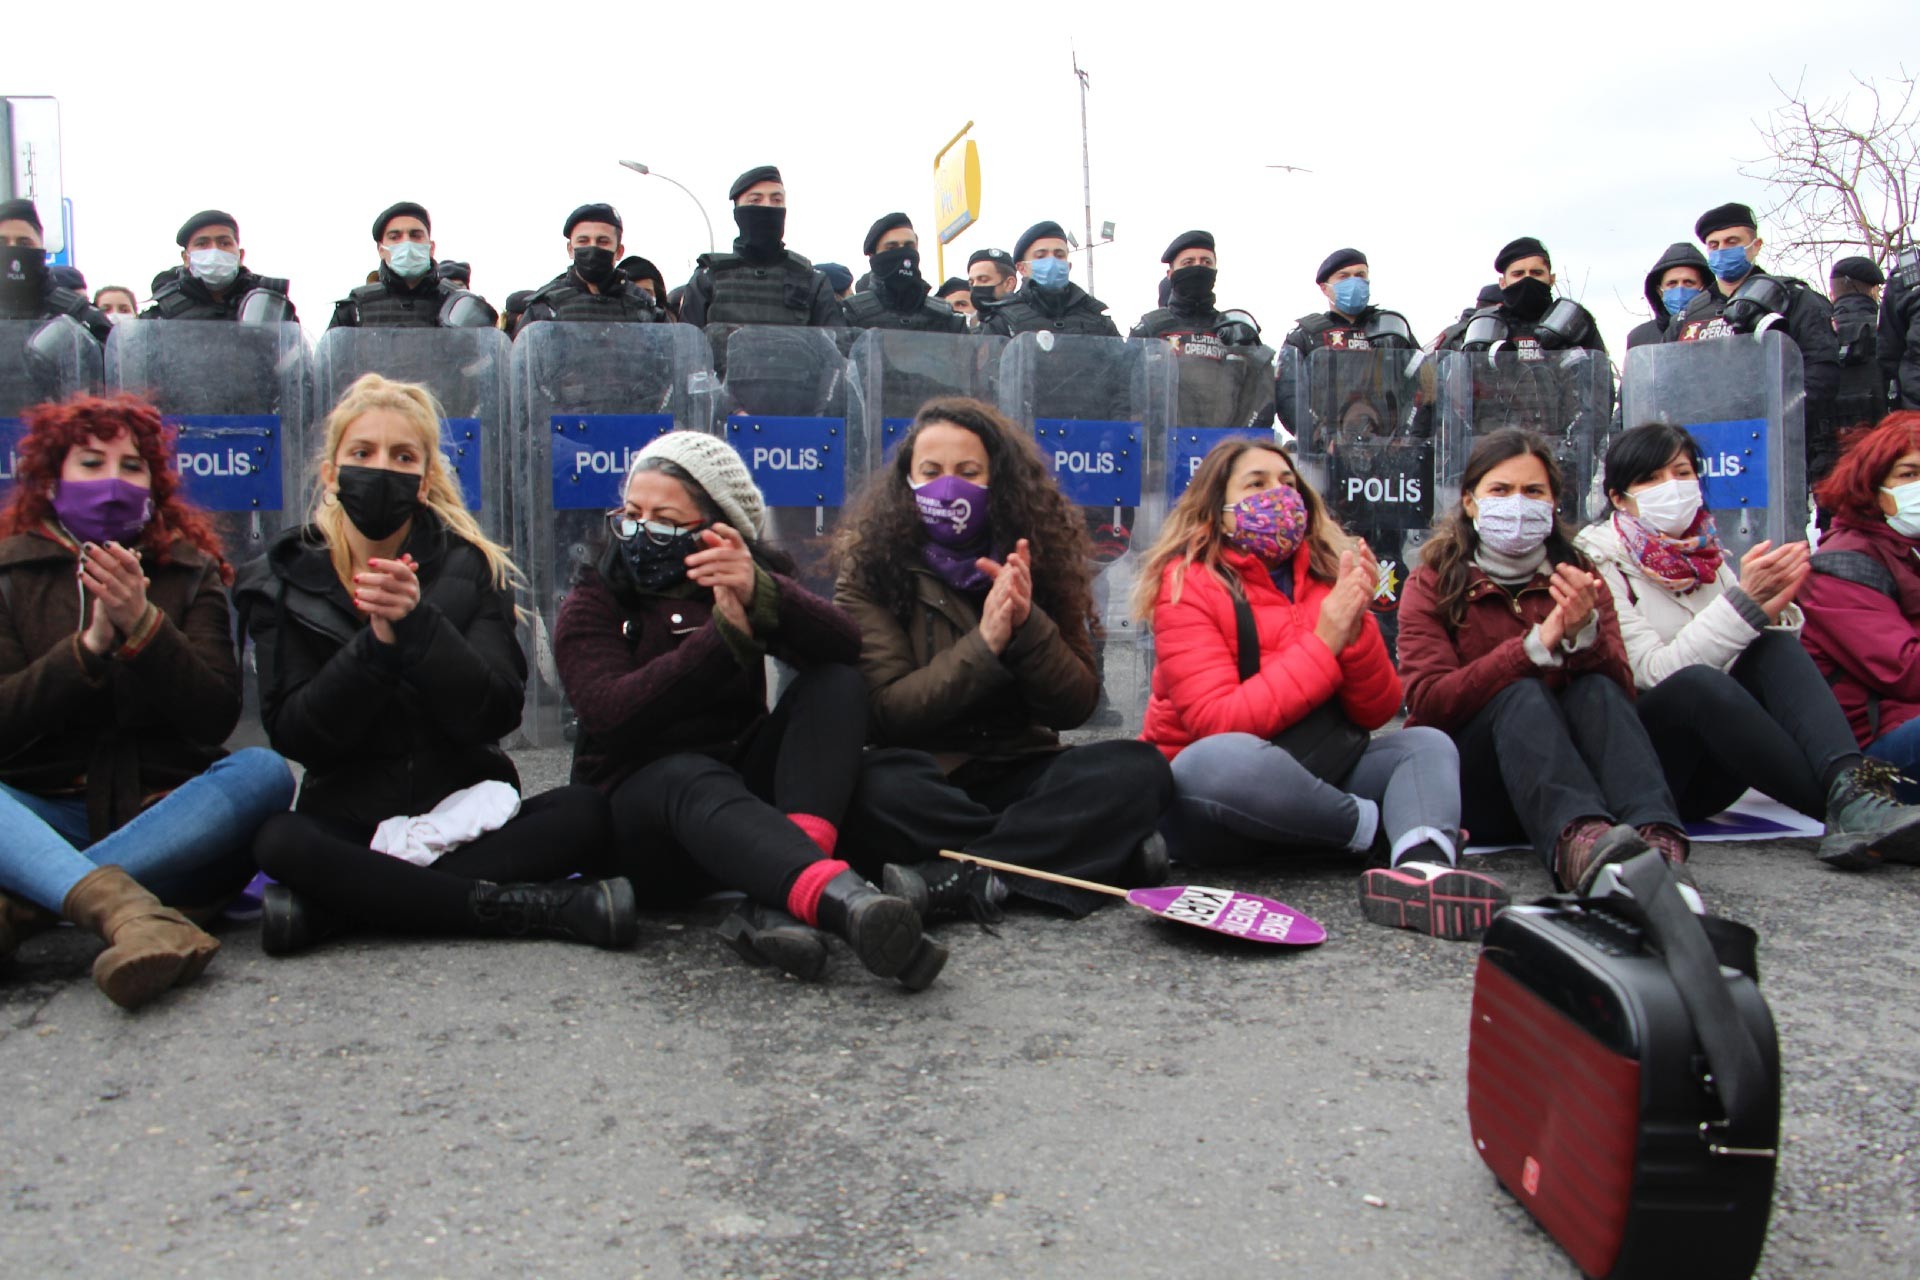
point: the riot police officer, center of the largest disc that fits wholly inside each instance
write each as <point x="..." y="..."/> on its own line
<point x="761" y="281"/>
<point x="212" y="281"/>
<point x="1529" y="320"/>
<point x="1350" y="323"/>
<point x="991" y="280"/>
<point x="1899" y="334"/>
<point x="958" y="294"/>
<point x="1680" y="276"/>
<point x="593" y="288"/>
<point x="28" y="290"/>
<point x="1045" y="299"/>
<point x="407" y="292"/>
<point x="1188" y="320"/>
<point x="1854" y="284"/>
<point x="897" y="297"/>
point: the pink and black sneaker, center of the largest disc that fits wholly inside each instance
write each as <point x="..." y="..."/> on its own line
<point x="1427" y="897"/>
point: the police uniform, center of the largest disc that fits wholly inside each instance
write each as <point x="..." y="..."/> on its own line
<point x="1070" y="309"/>
<point x="1899" y="332"/>
<point x="392" y="302"/>
<point x="760" y="282"/>
<point x="179" y="295"/>
<point x="1860" y="394"/>
<point x="35" y="296"/>
<point x="566" y="299"/>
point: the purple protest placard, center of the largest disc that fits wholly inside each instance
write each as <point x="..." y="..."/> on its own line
<point x="1238" y="915"/>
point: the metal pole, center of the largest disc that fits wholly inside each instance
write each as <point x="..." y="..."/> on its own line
<point x="1086" y="167"/>
<point x="940" y="254"/>
<point x="637" y="167"/>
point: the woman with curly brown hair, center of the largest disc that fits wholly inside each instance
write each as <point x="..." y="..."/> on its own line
<point x="118" y="683"/>
<point x="966" y="570"/>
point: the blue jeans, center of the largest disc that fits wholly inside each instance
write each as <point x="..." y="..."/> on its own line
<point x="188" y="847"/>
<point x="1901" y="749"/>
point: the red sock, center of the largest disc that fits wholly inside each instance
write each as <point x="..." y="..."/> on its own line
<point x="818" y="830"/>
<point x="803" y="900"/>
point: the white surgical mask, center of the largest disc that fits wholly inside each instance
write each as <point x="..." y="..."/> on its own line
<point x="1669" y="506"/>
<point x="1514" y="524"/>
<point x="1906" y="516"/>
<point x="409" y="259"/>
<point x="214" y="268"/>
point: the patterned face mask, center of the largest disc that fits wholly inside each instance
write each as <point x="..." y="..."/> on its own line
<point x="1270" y="524"/>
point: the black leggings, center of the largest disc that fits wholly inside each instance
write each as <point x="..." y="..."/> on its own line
<point x="554" y="835"/>
<point x="1769" y="723"/>
<point x="1533" y="760"/>
<point x="689" y="825"/>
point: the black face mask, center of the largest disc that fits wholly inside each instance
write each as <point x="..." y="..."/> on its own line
<point x="654" y="567"/>
<point x="593" y="264"/>
<point x="23" y="281"/>
<point x="896" y="273"/>
<point x="763" y="227"/>
<point x="1528" y="298"/>
<point x="377" y="500"/>
<point x="1192" y="287"/>
<point x="985" y="296"/>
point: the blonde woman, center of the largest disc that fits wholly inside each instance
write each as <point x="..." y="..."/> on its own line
<point x="388" y="666"/>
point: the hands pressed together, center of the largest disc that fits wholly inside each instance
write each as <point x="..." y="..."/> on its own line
<point x="1772" y="575"/>
<point x="1010" y="599"/>
<point x="387" y="591"/>
<point x="1344" y="612"/>
<point x="726" y="568"/>
<point x="112" y="578"/>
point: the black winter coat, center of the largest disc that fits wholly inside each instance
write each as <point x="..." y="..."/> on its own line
<point x="1067" y="310"/>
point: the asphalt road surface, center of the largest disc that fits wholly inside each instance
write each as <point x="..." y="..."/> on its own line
<point x="1112" y="1097"/>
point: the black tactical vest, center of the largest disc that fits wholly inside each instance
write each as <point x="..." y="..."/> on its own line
<point x="375" y="306"/>
<point x="747" y="292"/>
<point x="867" y="311"/>
<point x="564" y="300"/>
<point x="176" y="300"/>
<point x="1372" y="328"/>
<point x="1018" y="314"/>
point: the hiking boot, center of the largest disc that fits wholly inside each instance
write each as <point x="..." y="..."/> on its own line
<point x="291" y="922"/>
<point x="1431" y="898"/>
<point x="601" y="912"/>
<point x="884" y="931"/>
<point x="943" y="889"/>
<point x="150" y="947"/>
<point x="761" y="935"/>
<point x="1587" y="845"/>
<point x="1865" y="824"/>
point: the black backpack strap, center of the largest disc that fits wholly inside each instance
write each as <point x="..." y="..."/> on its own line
<point x="1249" y="636"/>
<point x="1856" y="567"/>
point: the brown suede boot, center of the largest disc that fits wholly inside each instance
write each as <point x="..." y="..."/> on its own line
<point x="150" y="947"/>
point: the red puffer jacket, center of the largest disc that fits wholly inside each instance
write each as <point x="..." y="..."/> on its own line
<point x="1197" y="690"/>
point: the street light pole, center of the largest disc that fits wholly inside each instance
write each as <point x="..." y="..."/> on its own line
<point x="639" y="168"/>
<point x="1086" y="166"/>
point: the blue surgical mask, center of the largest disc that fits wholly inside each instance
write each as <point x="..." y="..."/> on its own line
<point x="1905" y="519"/>
<point x="1675" y="300"/>
<point x="1049" y="273"/>
<point x="1350" y="295"/>
<point x="409" y="259"/>
<point x="1729" y="263"/>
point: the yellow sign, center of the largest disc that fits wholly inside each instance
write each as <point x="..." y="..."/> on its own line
<point x="956" y="190"/>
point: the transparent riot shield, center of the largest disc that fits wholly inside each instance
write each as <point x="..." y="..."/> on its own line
<point x="791" y="409"/>
<point x="1564" y="396"/>
<point x="1213" y="399"/>
<point x="585" y="399"/>
<point x="899" y="371"/>
<point x="467" y="371"/>
<point x="237" y="393"/>
<point x="40" y="360"/>
<point x="1100" y="409"/>
<point x="1743" y="401"/>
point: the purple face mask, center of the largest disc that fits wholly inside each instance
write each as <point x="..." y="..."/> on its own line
<point x="103" y="511"/>
<point x="954" y="511"/>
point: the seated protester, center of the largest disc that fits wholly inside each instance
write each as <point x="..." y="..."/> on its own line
<point x="1862" y="599"/>
<point x="966" y="569"/>
<point x="384" y="639"/>
<point x="1269" y="676"/>
<point x="1509" y="643"/>
<point x="115" y="794"/>
<point x="662" y="647"/>
<point x="1727" y="694"/>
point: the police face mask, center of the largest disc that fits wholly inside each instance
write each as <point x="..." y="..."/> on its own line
<point x="1729" y="263"/>
<point x="1192" y="287"/>
<point x="890" y="265"/>
<point x="593" y="264"/>
<point x="1350" y="295"/>
<point x="985" y="297"/>
<point x="1905" y="519"/>
<point x="1513" y="524"/>
<point x="1676" y="299"/>
<point x="409" y="259"/>
<point x="1528" y="297"/>
<point x="23" y="280"/>
<point x="1049" y="273"/>
<point x="214" y="268"/>
<point x="378" y="500"/>
<point x="763" y="227"/>
<point x="1669" y="506"/>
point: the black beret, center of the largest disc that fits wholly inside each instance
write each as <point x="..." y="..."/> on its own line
<point x="1340" y="258"/>
<point x="461" y="273"/>
<point x="998" y="257"/>
<point x="838" y="276"/>
<point x="753" y="177"/>
<point x="405" y="209"/>
<point x="1524" y="247"/>
<point x="206" y="218"/>
<point x="68" y="278"/>
<point x="884" y="224"/>
<point x="1863" y="270"/>
<point x="1727" y="215"/>
<point x="952" y="284"/>
<point x="594" y="213"/>
<point x="21" y="211"/>
<point x="1038" y="231"/>
<point x="638" y="268"/>
<point x="1188" y="240"/>
<point x="1489" y="296"/>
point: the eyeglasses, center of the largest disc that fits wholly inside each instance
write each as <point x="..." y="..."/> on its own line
<point x="659" y="532"/>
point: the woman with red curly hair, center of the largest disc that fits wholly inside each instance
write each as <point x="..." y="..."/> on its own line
<point x="1862" y="599"/>
<point x="118" y="683"/>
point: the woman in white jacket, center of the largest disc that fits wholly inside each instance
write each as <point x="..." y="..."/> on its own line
<point x="1727" y="694"/>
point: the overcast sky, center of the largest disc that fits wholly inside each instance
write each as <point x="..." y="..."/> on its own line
<point x="1431" y="137"/>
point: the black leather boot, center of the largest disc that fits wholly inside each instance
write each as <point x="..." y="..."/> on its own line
<point x="884" y="931"/>
<point x="601" y="912"/>
<point x="943" y="889"/>
<point x="290" y="923"/>
<point x="762" y="935"/>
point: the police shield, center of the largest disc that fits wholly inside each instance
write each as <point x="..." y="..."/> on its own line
<point x="1099" y="409"/>
<point x="1213" y="399"/>
<point x="791" y="409"/>
<point x="1564" y="396"/>
<point x="585" y="399"/>
<point x="237" y="394"/>
<point x="898" y="371"/>
<point x="467" y="371"/>
<point x="1743" y="401"/>
<point x="40" y="360"/>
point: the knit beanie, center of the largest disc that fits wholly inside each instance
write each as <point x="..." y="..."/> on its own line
<point x="716" y="468"/>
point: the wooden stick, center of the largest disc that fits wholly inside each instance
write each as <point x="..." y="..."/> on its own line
<point x="1037" y="875"/>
